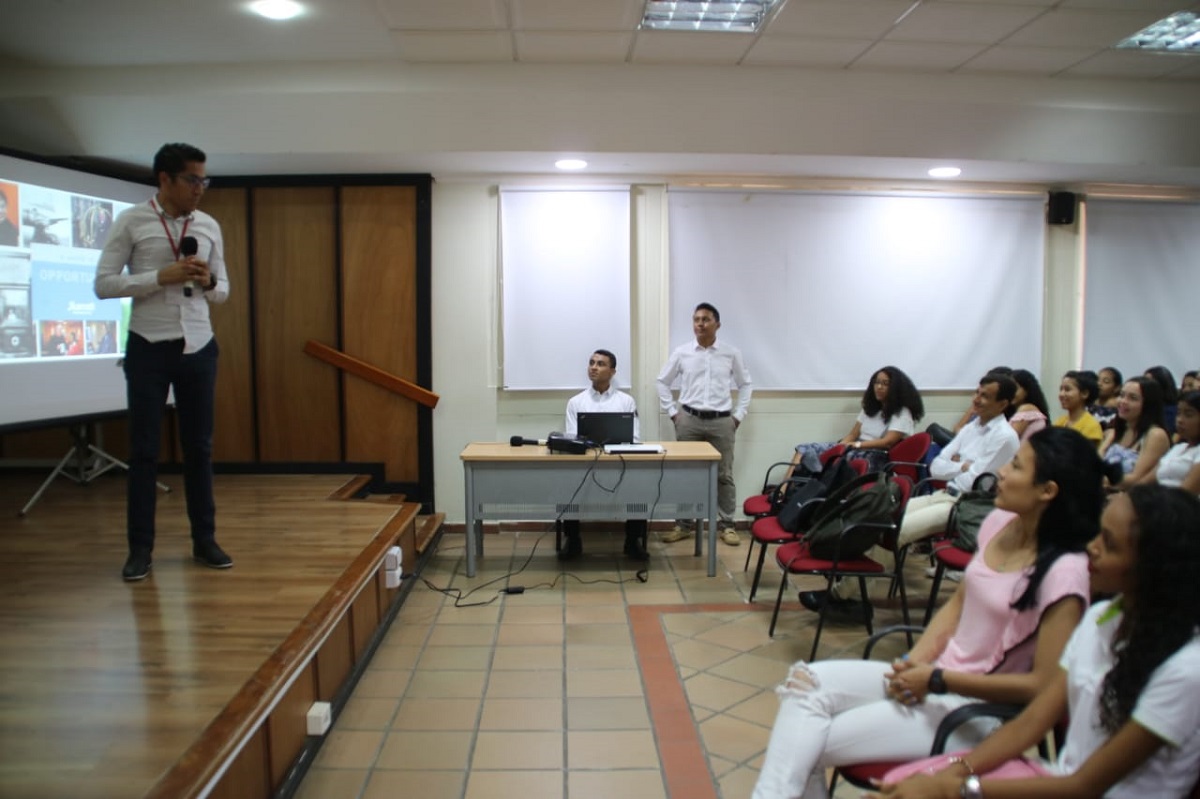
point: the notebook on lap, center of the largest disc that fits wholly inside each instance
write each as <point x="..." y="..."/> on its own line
<point x="602" y="428"/>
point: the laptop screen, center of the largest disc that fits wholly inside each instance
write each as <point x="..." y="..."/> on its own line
<point x="606" y="428"/>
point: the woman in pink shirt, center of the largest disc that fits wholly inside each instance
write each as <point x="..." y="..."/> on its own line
<point x="998" y="638"/>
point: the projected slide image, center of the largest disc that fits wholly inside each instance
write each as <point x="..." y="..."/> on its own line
<point x="16" y="313"/>
<point x="61" y="338"/>
<point x="10" y="213"/>
<point x="91" y="220"/>
<point x="45" y="216"/>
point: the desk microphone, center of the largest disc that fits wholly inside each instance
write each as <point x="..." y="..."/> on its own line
<point x="188" y="246"/>
<point x="517" y="441"/>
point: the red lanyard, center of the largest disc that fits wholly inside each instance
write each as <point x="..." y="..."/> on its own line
<point x="163" y="221"/>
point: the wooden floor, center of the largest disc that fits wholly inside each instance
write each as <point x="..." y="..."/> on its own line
<point x="103" y="684"/>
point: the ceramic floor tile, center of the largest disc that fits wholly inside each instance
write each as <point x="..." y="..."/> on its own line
<point x="594" y="596"/>
<point x="367" y="713"/>
<point x="508" y="784"/>
<point x="522" y="714"/>
<point x="598" y="634"/>
<point x="437" y="658"/>
<point x="447" y="684"/>
<point x="604" y="682"/>
<point x="689" y="624"/>
<point x="320" y="783"/>
<point x="402" y="657"/>
<point x="462" y="635"/>
<point x="717" y="693"/>
<point x="532" y="751"/>
<point x="530" y="635"/>
<point x="425" y="751"/>
<point x="483" y="616"/>
<point x="701" y="654"/>
<point x="740" y="782"/>
<point x="609" y="749"/>
<point x="596" y="614"/>
<point x="354" y="749"/>
<point x="532" y="615"/>
<point x="750" y="669"/>
<point x="385" y="784"/>
<point x="436" y="714"/>
<point x="585" y="657"/>
<point x="402" y="634"/>
<point x="758" y="709"/>
<point x="732" y="738"/>
<point x="614" y="713"/>
<point x="641" y="784"/>
<point x="510" y="658"/>
<point x="525" y="684"/>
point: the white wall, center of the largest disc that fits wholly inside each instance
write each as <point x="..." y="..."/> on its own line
<point x="466" y="369"/>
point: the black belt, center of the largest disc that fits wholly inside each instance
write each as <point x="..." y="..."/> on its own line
<point x="706" y="414"/>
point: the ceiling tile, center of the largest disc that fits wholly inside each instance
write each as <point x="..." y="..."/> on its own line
<point x="681" y="47"/>
<point x="801" y="52"/>
<point x="1065" y="28"/>
<point x="451" y="46"/>
<point x="845" y="19"/>
<point x="425" y="15"/>
<point x="1027" y="60"/>
<point x="1130" y="5"/>
<point x="574" y="47"/>
<point x="1126" y="64"/>
<point x="956" y="22"/>
<point x="916" y="56"/>
<point x="578" y="15"/>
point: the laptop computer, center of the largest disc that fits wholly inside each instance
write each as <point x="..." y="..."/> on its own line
<point x="603" y="427"/>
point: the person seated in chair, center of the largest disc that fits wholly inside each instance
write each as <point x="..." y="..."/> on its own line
<point x="999" y="638"/>
<point x="603" y="397"/>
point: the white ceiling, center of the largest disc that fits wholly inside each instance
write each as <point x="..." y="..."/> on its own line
<point x="1024" y="91"/>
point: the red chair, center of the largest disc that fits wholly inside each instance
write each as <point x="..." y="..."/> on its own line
<point x="767" y="531"/>
<point x="945" y="556"/>
<point x="760" y="505"/>
<point x="906" y="457"/>
<point x="794" y="558"/>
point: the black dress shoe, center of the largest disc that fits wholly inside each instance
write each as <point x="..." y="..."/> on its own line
<point x="635" y="549"/>
<point x="210" y="555"/>
<point x="137" y="566"/>
<point x="572" y="548"/>
<point x="813" y="599"/>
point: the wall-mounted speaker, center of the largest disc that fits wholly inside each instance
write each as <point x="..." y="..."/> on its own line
<point x="1060" y="208"/>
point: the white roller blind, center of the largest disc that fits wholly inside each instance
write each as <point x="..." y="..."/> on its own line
<point x="819" y="290"/>
<point x="1143" y="261"/>
<point x="565" y="269"/>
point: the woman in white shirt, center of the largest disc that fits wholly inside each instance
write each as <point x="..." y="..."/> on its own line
<point x="1129" y="680"/>
<point x="891" y="406"/>
<point x="1180" y="467"/>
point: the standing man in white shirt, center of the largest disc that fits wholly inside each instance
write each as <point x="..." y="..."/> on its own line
<point x="984" y="445"/>
<point x="708" y="372"/>
<point x="169" y="257"/>
<point x="603" y="397"/>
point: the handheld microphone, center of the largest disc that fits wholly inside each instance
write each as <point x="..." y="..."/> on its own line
<point x="188" y="246"/>
<point x="517" y="441"/>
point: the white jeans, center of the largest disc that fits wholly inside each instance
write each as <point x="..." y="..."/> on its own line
<point x="925" y="516"/>
<point x="835" y="713"/>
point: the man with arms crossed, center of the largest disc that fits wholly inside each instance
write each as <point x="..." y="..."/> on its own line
<point x="603" y="397"/>
<point x="170" y="344"/>
<point x="708" y="372"/>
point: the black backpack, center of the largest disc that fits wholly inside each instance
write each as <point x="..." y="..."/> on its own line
<point x="869" y="508"/>
<point x="968" y="513"/>
<point x="804" y="497"/>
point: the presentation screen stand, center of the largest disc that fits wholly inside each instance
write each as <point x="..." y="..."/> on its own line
<point x="83" y="463"/>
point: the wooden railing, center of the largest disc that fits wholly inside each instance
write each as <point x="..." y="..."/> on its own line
<point x="372" y="374"/>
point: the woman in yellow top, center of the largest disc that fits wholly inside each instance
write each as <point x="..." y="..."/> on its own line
<point x="1075" y="393"/>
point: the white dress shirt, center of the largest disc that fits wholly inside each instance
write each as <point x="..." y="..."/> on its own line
<point x="986" y="446"/>
<point x="592" y="401"/>
<point x="138" y="240"/>
<point x="707" y="377"/>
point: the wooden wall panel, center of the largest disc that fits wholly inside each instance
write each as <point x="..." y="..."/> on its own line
<point x="295" y="299"/>
<point x="379" y="249"/>
<point x="247" y="777"/>
<point x="334" y="660"/>
<point x="288" y="724"/>
<point x="364" y="615"/>
<point x="233" y="434"/>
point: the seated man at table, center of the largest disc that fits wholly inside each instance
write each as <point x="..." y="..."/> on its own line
<point x="603" y="397"/>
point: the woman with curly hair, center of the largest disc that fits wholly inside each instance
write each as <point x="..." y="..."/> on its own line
<point x="891" y="406"/>
<point x="1030" y="412"/>
<point x="1129" y="679"/>
<point x="1137" y="439"/>
<point x="999" y="637"/>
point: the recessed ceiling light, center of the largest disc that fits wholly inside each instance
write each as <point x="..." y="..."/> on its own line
<point x="571" y="163"/>
<point x="1178" y="33"/>
<point x="277" y="9"/>
<point x="731" y="16"/>
<point x="945" y="172"/>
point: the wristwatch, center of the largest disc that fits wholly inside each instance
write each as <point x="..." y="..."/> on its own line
<point x="937" y="682"/>
<point x="971" y="789"/>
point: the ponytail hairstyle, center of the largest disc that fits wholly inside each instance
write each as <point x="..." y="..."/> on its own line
<point x="1072" y="518"/>
<point x="1164" y="610"/>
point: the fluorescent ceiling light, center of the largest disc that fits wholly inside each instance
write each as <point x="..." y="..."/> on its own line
<point x="277" y="9"/>
<point x="733" y="16"/>
<point x="945" y="172"/>
<point x="1178" y="33"/>
<point x="571" y="163"/>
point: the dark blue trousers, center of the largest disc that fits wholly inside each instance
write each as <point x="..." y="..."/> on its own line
<point x="151" y="369"/>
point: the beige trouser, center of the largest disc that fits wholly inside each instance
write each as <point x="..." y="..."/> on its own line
<point x="721" y="433"/>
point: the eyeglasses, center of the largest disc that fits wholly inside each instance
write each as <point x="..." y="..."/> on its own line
<point x="194" y="182"/>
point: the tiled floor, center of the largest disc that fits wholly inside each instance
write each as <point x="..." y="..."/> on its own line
<point x="589" y="684"/>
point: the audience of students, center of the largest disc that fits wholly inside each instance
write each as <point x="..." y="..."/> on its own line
<point x="1109" y="380"/>
<point x="1076" y="392"/>
<point x="1137" y="439"/>
<point x="1180" y="467"/>
<point x="1128" y="683"/>
<point x="999" y="637"/>
<point x="1170" y="393"/>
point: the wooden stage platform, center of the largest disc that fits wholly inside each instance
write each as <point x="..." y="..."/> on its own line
<point x="194" y="681"/>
